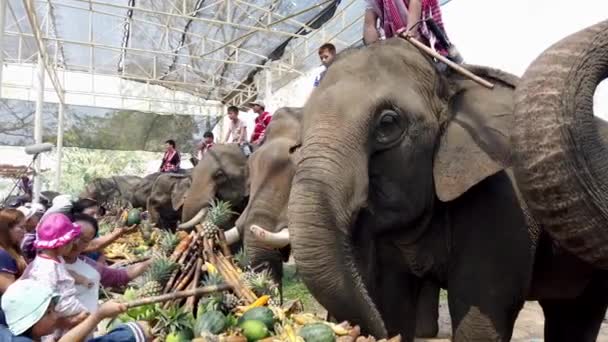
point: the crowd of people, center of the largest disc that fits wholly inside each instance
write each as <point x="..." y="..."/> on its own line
<point x="51" y="270"/>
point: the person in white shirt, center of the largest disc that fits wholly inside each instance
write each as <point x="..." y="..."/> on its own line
<point x="327" y="53"/>
<point x="237" y="130"/>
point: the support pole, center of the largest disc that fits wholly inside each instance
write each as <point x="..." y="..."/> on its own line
<point x="268" y="86"/>
<point x="59" y="146"/>
<point x="3" y="7"/>
<point x="38" y="124"/>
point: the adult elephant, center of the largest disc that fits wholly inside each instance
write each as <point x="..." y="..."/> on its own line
<point x="166" y="198"/>
<point x="403" y="175"/>
<point x="143" y="190"/>
<point x="221" y="174"/>
<point x="271" y="169"/>
<point x="264" y="221"/>
<point x="111" y="189"/>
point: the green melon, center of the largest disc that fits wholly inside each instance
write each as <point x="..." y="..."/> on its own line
<point x="317" y="332"/>
<point x="260" y="313"/>
<point x="133" y="217"/>
<point x="182" y="336"/>
<point x="254" y="330"/>
<point x="211" y="321"/>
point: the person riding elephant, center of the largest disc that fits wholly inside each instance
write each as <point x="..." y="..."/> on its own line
<point x="167" y="197"/>
<point x="403" y="175"/>
<point x="222" y="174"/>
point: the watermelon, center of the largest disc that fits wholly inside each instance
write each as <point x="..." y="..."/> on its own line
<point x="182" y="336"/>
<point x="317" y="332"/>
<point x="133" y="217"/>
<point x="211" y="321"/>
<point x="260" y="313"/>
<point x="254" y="330"/>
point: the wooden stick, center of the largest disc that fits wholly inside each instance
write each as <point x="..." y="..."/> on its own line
<point x="232" y="277"/>
<point x="197" y="277"/>
<point x="183" y="273"/>
<point x="180" y="261"/>
<point x="177" y="295"/>
<point x="458" y="68"/>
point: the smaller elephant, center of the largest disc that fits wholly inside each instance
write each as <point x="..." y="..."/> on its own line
<point x="107" y="190"/>
<point x="167" y="197"/>
<point x="221" y="174"/>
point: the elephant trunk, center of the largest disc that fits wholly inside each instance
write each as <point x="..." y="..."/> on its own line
<point x="323" y="206"/>
<point x="560" y="161"/>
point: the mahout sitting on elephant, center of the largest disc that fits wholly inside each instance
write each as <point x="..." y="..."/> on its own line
<point x="404" y="173"/>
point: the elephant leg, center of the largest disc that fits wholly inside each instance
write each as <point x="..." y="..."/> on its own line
<point x="427" y="310"/>
<point x="577" y="319"/>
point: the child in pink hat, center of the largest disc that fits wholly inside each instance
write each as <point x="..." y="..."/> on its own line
<point x="55" y="237"/>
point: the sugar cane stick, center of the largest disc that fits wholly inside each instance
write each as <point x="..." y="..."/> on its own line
<point x="180" y="261"/>
<point x="197" y="277"/>
<point x="183" y="273"/>
<point x="179" y="294"/>
<point x="458" y="68"/>
<point x="233" y="278"/>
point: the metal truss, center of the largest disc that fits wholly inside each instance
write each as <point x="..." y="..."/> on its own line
<point x="201" y="63"/>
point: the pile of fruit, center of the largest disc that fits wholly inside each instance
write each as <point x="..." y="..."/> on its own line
<point x="250" y="311"/>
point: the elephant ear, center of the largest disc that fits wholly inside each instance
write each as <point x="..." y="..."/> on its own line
<point x="475" y="143"/>
<point x="180" y="192"/>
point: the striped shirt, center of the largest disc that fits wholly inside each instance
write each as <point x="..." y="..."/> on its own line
<point x="393" y="18"/>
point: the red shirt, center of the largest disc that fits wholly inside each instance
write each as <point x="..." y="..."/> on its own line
<point x="261" y="122"/>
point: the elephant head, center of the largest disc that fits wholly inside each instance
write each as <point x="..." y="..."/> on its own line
<point x="221" y="174"/>
<point x="105" y="190"/>
<point x="385" y="138"/>
<point x="166" y="198"/>
<point x="559" y="152"/>
<point x="263" y="223"/>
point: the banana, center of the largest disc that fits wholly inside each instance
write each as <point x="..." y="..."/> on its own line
<point x="304" y="318"/>
<point x="338" y="329"/>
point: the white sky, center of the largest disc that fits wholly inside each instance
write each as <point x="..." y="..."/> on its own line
<point x="509" y="34"/>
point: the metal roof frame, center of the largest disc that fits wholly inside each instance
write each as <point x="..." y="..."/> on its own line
<point x="171" y="18"/>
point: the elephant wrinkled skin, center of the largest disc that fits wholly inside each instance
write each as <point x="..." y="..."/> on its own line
<point x="166" y="198"/>
<point x="115" y="188"/>
<point x="221" y="174"/>
<point x="271" y="170"/>
<point x="405" y="174"/>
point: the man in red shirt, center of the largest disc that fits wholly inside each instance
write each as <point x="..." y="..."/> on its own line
<point x="261" y="122"/>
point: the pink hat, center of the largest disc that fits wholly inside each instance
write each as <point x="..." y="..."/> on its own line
<point x="54" y="231"/>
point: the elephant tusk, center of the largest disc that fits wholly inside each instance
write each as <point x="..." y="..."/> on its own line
<point x="195" y="220"/>
<point x="232" y="235"/>
<point x="275" y="240"/>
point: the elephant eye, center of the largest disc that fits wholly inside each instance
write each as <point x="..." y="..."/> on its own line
<point x="294" y="148"/>
<point x="389" y="127"/>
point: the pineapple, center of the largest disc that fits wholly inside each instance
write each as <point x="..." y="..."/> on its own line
<point x="260" y="283"/>
<point x="241" y="259"/>
<point x="156" y="277"/>
<point x="151" y="288"/>
<point x="219" y="214"/>
<point x="230" y="301"/>
<point x="168" y="242"/>
<point x="275" y="296"/>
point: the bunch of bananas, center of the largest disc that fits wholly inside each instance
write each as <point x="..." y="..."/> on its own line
<point x="119" y="251"/>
